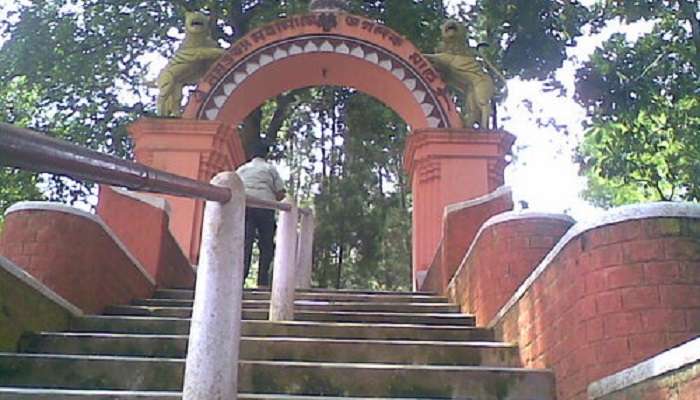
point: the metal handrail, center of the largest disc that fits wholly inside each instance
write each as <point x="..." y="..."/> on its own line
<point x="30" y="150"/>
<point x="216" y="324"/>
<point x="255" y="202"/>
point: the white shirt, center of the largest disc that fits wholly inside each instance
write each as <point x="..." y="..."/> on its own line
<point x="260" y="179"/>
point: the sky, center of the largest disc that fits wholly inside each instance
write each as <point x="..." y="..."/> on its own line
<point x="543" y="173"/>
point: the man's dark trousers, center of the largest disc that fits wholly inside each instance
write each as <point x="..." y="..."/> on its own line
<point x="260" y="224"/>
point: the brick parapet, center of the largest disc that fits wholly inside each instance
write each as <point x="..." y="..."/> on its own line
<point x="141" y="222"/>
<point x="460" y="225"/>
<point x="612" y="293"/>
<point x="673" y="374"/>
<point x="506" y="249"/>
<point x="74" y="254"/>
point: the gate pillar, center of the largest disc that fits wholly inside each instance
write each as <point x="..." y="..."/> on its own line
<point x="192" y="148"/>
<point x="448" y="166"/>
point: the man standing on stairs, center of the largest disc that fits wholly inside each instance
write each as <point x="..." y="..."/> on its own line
<point x="261" y="180"/>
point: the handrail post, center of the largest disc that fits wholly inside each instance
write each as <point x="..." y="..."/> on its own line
<point x="283" y="281"/>
<point x="305" y="250"/>
<point x="211" y="370"/>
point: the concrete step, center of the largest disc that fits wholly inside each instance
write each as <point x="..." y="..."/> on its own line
<point x="356" y="291"/>
<point x="322" y="305"/>
<point x="307" y="329"/>
<point x="339" y="316"/>
<point x="328" y="379"/>
<point x="63" y="394"/>
<point x="493" y="354"/>
<point x="386" y="297"/>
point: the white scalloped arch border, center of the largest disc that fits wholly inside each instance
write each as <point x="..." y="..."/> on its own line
<point x="435" y="114"/>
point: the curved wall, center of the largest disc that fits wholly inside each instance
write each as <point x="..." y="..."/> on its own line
<point x="74" y="254"/>
<point x="609" y="295"/>
<point x="141" y="222"/>
<point x="505" y="251"/>
<point x="460" y="225"/>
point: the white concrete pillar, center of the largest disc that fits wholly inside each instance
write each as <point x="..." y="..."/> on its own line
<point x="211" y="370"/>
<point x="305" y="250"/>
<point x="283" y="276"/>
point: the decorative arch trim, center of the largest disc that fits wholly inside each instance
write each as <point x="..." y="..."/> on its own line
<point x="342" y="35"/>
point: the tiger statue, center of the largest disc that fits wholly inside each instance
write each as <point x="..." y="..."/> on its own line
<point x="189" y="64"/>
<point x="459" y="66"/>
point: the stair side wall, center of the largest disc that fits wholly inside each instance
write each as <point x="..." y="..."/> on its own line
<point x="143" y="226"/>
<point x="610" y="294"/>
<point x="506" y="250"/>
<point x="460" y="224"/>
<point x="28" y="306"/>
<point x="674" y="374"/>
<point x="74" y="254"/>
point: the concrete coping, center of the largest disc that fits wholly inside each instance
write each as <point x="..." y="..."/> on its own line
<point x="679" y="357"/>
<point x="611" y="217"/>
<point x="32" y="282"/>
<point x="62" y="208"/>
<point x="509" y="216"/>
<point x="501" y="191"/>
<point x="153" y="201"/>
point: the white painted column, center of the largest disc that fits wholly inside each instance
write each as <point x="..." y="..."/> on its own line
<point x="283" y="276"/>
<point x="211" y="370"/>
<point x="305" y="250"/>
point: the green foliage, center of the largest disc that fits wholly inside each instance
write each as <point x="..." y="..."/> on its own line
<point x="534" y="34"/>
<point x="78" y="72"/>
<point x="643" y="142"/>
<point x="85" y="62"/>
<point x="365" y="244"/>
<point x="17" y="107"/>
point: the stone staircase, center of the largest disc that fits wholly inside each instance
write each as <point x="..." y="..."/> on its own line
<point x="343" y="345"/>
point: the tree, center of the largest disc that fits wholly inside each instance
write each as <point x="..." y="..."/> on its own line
<point x="17" y="101"/>
<point x="643" y="138"/>
<point x="86" y="63"/>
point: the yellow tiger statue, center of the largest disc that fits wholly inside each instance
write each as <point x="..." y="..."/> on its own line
<point x="191" y="61"/>
<point x="459" y="67"/>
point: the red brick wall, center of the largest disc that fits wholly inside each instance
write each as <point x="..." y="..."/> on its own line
<point x="459" y="228"/>
<point x="73" y="256"/>
<point x="614" y="296"/>
<point x="144" y="231"/>
<point x="433" y="278"/>
<point x="503" y="256"/>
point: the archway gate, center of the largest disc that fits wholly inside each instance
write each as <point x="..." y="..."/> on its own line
<point x="446" y="163"/>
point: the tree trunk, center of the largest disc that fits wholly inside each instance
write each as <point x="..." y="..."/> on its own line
<point x="341" y="253"/>
<point x="689" y="12"/>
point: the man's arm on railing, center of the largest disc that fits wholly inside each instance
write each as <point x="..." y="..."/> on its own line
<point x="251" y="201"/>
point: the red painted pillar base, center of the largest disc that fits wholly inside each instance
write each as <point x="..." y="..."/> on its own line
<point x="448" y="166"/>
<point x="191" y="148"/>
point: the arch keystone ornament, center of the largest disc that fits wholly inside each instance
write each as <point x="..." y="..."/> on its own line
<point x="322" y="48"/>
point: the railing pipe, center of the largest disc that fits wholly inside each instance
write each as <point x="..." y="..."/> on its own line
<point x="283" y="280"/>
<point x="267" y="204"/>
<point x="305" y="249"/>
<point x="26" y="149"/>
<point x="211" y="369"/>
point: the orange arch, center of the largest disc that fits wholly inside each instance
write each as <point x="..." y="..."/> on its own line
<point x="324" y="49"/>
